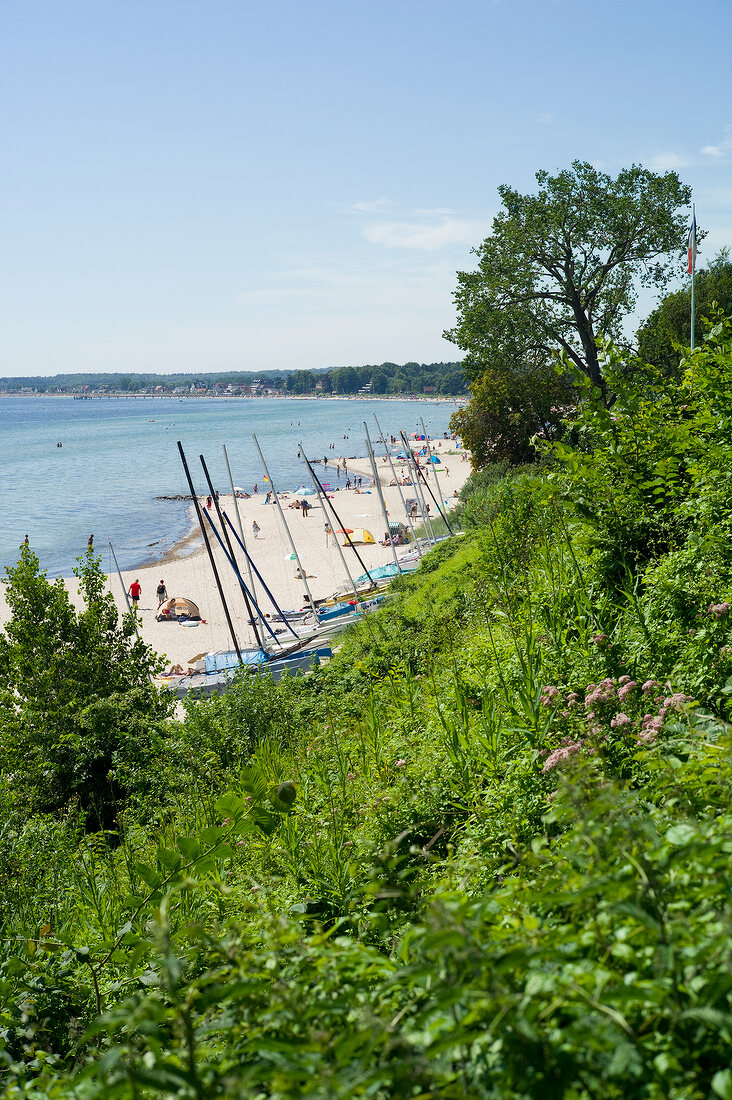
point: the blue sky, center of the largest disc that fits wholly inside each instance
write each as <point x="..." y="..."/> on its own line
<point x="220" y="185"/>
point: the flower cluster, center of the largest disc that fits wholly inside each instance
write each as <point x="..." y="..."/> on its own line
<point x="617" y="714"/>
<point x="559" y="755"/>
<point x="718" y="610"/>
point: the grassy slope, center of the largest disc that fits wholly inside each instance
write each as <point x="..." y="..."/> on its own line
<point x="439" y="912"/>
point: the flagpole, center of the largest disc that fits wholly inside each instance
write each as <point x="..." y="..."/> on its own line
<point x="692" y="265"/>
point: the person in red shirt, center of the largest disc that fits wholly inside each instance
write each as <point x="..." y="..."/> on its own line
<point x="135" y="592"/>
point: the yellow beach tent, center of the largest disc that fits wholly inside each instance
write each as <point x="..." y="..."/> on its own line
<point x="359" y="534"/>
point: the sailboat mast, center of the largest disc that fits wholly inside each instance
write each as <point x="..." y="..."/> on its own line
<point x="287" y="529"/>
<point x="238" y="521"/>
<point x="230" y="548"/>
<point x="377" y="485"/>
<point x="209" y="551"/>
<point x="399" y="486"/>
<point x="323" y="498"/>
<point x="437" y="483"/>
<point x="414" y="476"/>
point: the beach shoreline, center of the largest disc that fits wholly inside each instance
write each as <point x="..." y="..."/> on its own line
<point x="186" y="571"/>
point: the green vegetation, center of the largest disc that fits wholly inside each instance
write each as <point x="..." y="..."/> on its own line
<point x="482" y="854"/>
<point x="664" y="334"/>
<point x="384" y="378"/>
<point x="557" y="275"/>
<point x="560" y="267"/>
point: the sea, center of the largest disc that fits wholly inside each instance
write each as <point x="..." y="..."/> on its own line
<point x="118" y="456"/>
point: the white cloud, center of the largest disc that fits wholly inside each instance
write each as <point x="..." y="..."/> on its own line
<point x="668" y="162"/>
<point x="370" y="206"/>
<point x="722" y="147"/>
<point x="423" y="235"/>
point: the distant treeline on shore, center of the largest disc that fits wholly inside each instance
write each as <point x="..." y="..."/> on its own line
<point x="385" y="378"/>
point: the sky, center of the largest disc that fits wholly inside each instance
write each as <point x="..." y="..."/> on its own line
<point x="233" y="185"/>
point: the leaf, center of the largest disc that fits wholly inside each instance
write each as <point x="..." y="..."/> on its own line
<point x="283" y="796"/>
<point x="230" y="805"/>
<point x="169" y="859"/>
<point x="188" y="847"/>
<point x="722" y="1084"/>
<point x="148" y="875"/>
<point x="681" y="835"/>
<point x="212" y="835"/>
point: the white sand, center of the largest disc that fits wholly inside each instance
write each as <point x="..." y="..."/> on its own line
<point x="187" y="572"/>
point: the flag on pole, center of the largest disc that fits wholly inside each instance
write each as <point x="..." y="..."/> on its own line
<point x="691" y="268"/>
<point x="267" y="479"/>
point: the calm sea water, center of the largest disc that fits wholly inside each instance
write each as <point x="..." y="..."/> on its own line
<point x="119" y="455"/>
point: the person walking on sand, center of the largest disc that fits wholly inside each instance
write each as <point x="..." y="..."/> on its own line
<point x="162" y="594"/>
<point x="135" y="591"/>
<point x="255" y="529"/>
<point x="255" y="490"/>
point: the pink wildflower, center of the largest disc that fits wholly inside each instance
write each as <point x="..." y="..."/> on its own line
<point x="718" y="610"/>
<point x="626" y="689"/>
<point x="624" y="680"/>
<point x="548" y="695"/>
<point x="650" y="685"/>
<point x="647" y="736"/>
<point x="400" y="764"/>
<point x="561" y="754"/>
<point x="676" y="702"/>
<point x="619" y="721"/>
<point x="599" y="639"/>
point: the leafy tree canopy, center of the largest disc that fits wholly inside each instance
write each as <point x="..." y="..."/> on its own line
<point x="561" y="266"/>
<point x="508" y="410"/>
<point x="79" y="715"/>
<point x="662" y="336"/>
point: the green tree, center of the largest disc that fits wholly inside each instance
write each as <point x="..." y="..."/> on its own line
<point x="666" y="332"/>
<point x="561" y="267"/>
<point x="300" y="381"/>
<point x="506" y="412"/>
<point x="345" y="380"/>
<point x="379" y="381"/>
<point x="80" y="719"/>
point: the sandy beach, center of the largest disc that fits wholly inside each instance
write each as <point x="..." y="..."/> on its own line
<point x="187" y="572"/>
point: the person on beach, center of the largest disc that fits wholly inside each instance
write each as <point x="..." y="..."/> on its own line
<point x="162" y="594"/>
<point x="90" y="542"/>
<point x="135" y="591"/>
<point x="268" y="497"/>
<point x="255" y="490"/>
<point x="25" y="541"/>
<point x="305" y="508"/>
<point x="209" y="502"/>
<point x="255" y="529"/>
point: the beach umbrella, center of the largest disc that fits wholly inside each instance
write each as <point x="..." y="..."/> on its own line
<point x="289" y="557"/>
<point x="435" y="459"/>
<point x="345" y="531"/>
